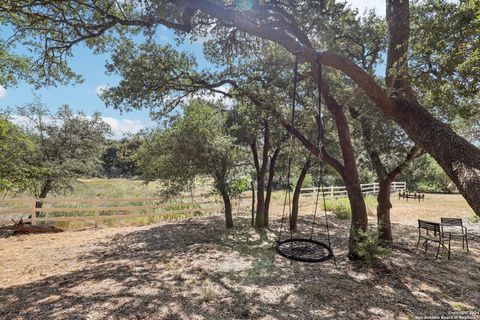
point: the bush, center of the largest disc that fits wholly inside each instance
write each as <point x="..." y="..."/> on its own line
<point x="474" y="219"/>
<point x="368" y="246"/>
<point x="371" y="203"/>
<point x="342" y="210"/>
<point x="341" y="206"/>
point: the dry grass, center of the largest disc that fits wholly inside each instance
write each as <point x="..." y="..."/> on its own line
<point x="195" y="269"/>
<point x="434" y="207"/>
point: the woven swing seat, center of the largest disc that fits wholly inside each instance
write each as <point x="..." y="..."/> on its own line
<point x="304" y="250"/>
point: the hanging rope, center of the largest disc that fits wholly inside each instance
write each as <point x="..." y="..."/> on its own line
<point x="290" y="141"/>
<point x="320" y="137"/>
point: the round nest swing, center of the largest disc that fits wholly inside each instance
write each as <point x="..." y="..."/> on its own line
<point x="304" y="250"/>
<point x="298" y="248"/>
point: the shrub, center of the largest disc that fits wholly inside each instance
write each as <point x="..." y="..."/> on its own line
<point x="474" y="219"/>
<point x="328" y="204"/>
<point x="342" y="210"/>
<point x="371" y="203"/>
<point x="340" y="207"/>
<point x="368" y="246"/>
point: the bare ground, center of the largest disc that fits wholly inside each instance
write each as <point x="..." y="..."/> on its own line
<point x="195" y="269"/>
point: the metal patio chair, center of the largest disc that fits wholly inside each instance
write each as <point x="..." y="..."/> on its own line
<point x="454" y="223"/>
<point x="425" y="230"/>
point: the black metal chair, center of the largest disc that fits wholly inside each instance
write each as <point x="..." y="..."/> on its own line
<point x="456" y="222"/>
<point x="438" y="236"/>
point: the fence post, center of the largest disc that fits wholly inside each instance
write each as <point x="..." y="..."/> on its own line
<point x="331" y="191"/>
<point x="34" y="212"/>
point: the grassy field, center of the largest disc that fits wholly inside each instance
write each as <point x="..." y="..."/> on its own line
<point x="403" y="212"/>
<point x="434" y="207"/>
<point x="114" y="188"/>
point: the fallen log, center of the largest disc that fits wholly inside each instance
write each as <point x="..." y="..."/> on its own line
<point x="22" y="228"/>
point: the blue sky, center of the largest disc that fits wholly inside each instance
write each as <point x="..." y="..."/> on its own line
<point x="84" y="96"/>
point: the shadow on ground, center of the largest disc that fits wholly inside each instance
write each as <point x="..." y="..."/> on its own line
<point x="198" y="270"/>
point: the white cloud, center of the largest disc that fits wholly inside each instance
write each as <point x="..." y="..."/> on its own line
<point x="100" y="88"/>
<point x="20" y="120"/>
<point x="377" y="5"/>
<point x="122" y="127"/>
<point x="3" y="91"/>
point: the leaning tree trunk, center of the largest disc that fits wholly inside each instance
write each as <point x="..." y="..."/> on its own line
<point x="458" y="158"/>
<point x="352" y="181"/>
<point x="268" y="195"/>
<point x="43" y="194"/>
<point x="296" y="194"/>
<point x="253" y="204"/>
<point x="383" y="211"/>
<point x="359" y="216"/>
<point x="228" y="208"/>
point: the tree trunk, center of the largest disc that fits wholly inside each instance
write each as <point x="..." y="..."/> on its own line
<point x="43" y="194"/>
<point x="261" y="170"/>
<point x="260" y="177"/>
<point x="296" y="194"/>
<point x="253" y="204"/>
<point x="228" y="209"/>
<point x="359" y="216"/>
<point x="260" y="214"/>
<point x="350" y="177"/>
<point x="458" y="158"/>
<point x="271" y="173"/>
<point x="398" y="19"/>
<point x="383" y="211"/>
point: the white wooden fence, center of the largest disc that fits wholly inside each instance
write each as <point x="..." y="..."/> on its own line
<point x="96" y="210"/>
<point x="71" y="209"/>
<point x="341" y="191"/>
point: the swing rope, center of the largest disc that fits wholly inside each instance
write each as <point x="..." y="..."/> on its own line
<point x="321" y="137"/>
<point x="290" y="141"/>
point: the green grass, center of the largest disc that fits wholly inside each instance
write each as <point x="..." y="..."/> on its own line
<point x="114" y="188"/>
<point x="341" y="206"/>
<point x="474" y="219"/>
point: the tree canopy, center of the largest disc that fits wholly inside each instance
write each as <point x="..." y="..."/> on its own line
<point x="69" y="146"/>
<point x="197" y="144"/>
<point x="16" y="154"/>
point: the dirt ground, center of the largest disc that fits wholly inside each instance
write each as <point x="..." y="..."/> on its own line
<point x="196" y="269"/>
